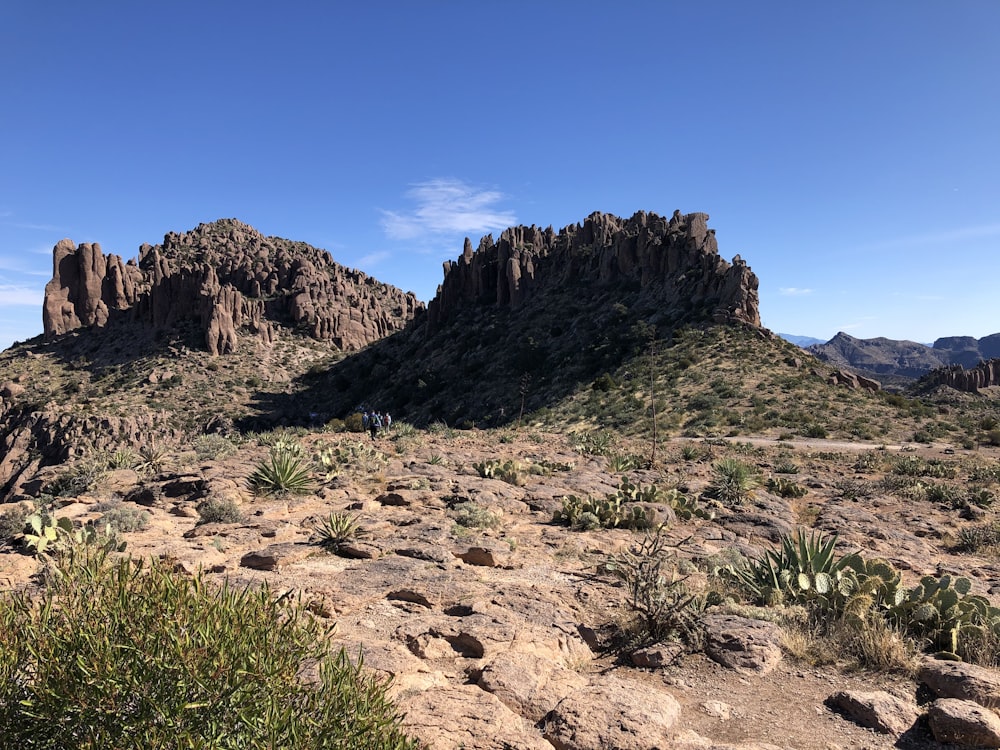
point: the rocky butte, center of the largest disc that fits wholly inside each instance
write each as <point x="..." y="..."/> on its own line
<point x="675" y="260"/>
<point x="229" y="279"/>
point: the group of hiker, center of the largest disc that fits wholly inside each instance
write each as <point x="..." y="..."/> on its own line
<point x="374" y="421"/>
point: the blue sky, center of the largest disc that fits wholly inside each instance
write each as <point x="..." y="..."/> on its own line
<point x="849" y="151"/>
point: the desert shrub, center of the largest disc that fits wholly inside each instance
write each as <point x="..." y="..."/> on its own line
<point x="224" y="670"/>
<point x="939" y="492"/>
<point x="472" y="515"/>
<point x="806" y="571"/>
<point x="123" y="458"/>
<point x="786" y="467"/>
<point x="219" y="510"/>
<point x="733" y="481"/>
<point x="152" y="459"/>
<point x="213" y="446"/>
<point x="592" y="443"/>
<point x="12" y="522"/>
<point x="854" y="489"/>
<point x="691" y="451"/>
<point x="978" y="537"/>
<point x="404" y="429"/>
<point x="914" y="466"/>
<point x="125" y="518"/>
<point x="354" y="422"/>
<point x="814" y="431"/>
<point x="657" y="593"/>
<point x="985" y="474"/>
<point x="80" y="478"/>
<point x="622" y="461"/>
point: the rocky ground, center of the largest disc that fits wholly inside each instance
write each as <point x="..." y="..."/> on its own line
<point x="494" y="621"/>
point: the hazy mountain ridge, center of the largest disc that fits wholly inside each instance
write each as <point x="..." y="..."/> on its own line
<point x="901" y="361"/>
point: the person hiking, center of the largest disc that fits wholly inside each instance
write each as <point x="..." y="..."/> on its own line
<point x="374" y="424"/>
<point x="388" y="421"/>
<point x="365" y="420"/>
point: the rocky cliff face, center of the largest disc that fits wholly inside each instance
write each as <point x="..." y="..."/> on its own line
<point x="232" y="281"/>
<point x="676" y="260"/>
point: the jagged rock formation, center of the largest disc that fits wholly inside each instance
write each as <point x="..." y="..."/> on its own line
<point x="230" y="279"/>
<point x="676" y="259"/>
<point x="983" y="375"/>
<point x="854" y="381"/>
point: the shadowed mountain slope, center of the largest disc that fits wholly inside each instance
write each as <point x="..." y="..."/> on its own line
<point x="534" y="316"/>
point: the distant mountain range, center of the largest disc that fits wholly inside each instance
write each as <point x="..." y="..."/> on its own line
<point x="893" y="361"/>
<point x="802" y="341"/>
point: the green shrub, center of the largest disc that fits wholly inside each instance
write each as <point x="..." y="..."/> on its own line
<point x="94" y="663"/>
<point x="125" y="518"/>
<point x="785" y="487"/>
<point x="219" y="510"/>
<point x="12" y="522"/>
<point x="472" y="515"/>
<point x="213" y="446"/>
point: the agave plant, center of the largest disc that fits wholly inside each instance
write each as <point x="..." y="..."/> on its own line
<point x="282" y="472"/>
<point x="803" y="570"/>
<point x="336" y="529"/>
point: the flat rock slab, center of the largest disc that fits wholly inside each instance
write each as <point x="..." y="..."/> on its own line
<point x="876" y="710"/>
<point x="465" y="716"/>
<point x="743" y="644"/>
<point x="529" y="685"/>
<point x="613" y="713"/>
<point x="955" y="679"/>
<point x="958" y="722"/>
<point x="277" y="556"/>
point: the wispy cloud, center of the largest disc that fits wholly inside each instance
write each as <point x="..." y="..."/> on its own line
<point x="950" y="236"/>
<point x="794" y="291"/>
<point x="448" y="206"/>
<point x="20" y="295"/>
<point x="373" y="259"/>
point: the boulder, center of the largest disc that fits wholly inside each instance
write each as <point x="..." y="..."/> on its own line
<point x="609" y="714"/>
<point x="876" y="710"/>
<point x="955" y="679"/>
<point x="742" y="644"/>
<point x="958" y="722"/>
<point x="468" y="717"/>
<point x="529" y="685"/>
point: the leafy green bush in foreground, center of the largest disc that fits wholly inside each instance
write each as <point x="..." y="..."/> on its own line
<point x="114" y="655"/>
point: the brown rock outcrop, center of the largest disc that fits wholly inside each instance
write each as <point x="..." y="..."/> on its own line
<point x="983" y="375"/>
<point x="676" y="259"/>
<point x="231" y="280"/>
<point x="85" y="287"/>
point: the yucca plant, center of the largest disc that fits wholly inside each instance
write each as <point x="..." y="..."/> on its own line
<point x="282" y="472"/>
<point x="336" y="529"/>
<point x="733" y="481"/>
